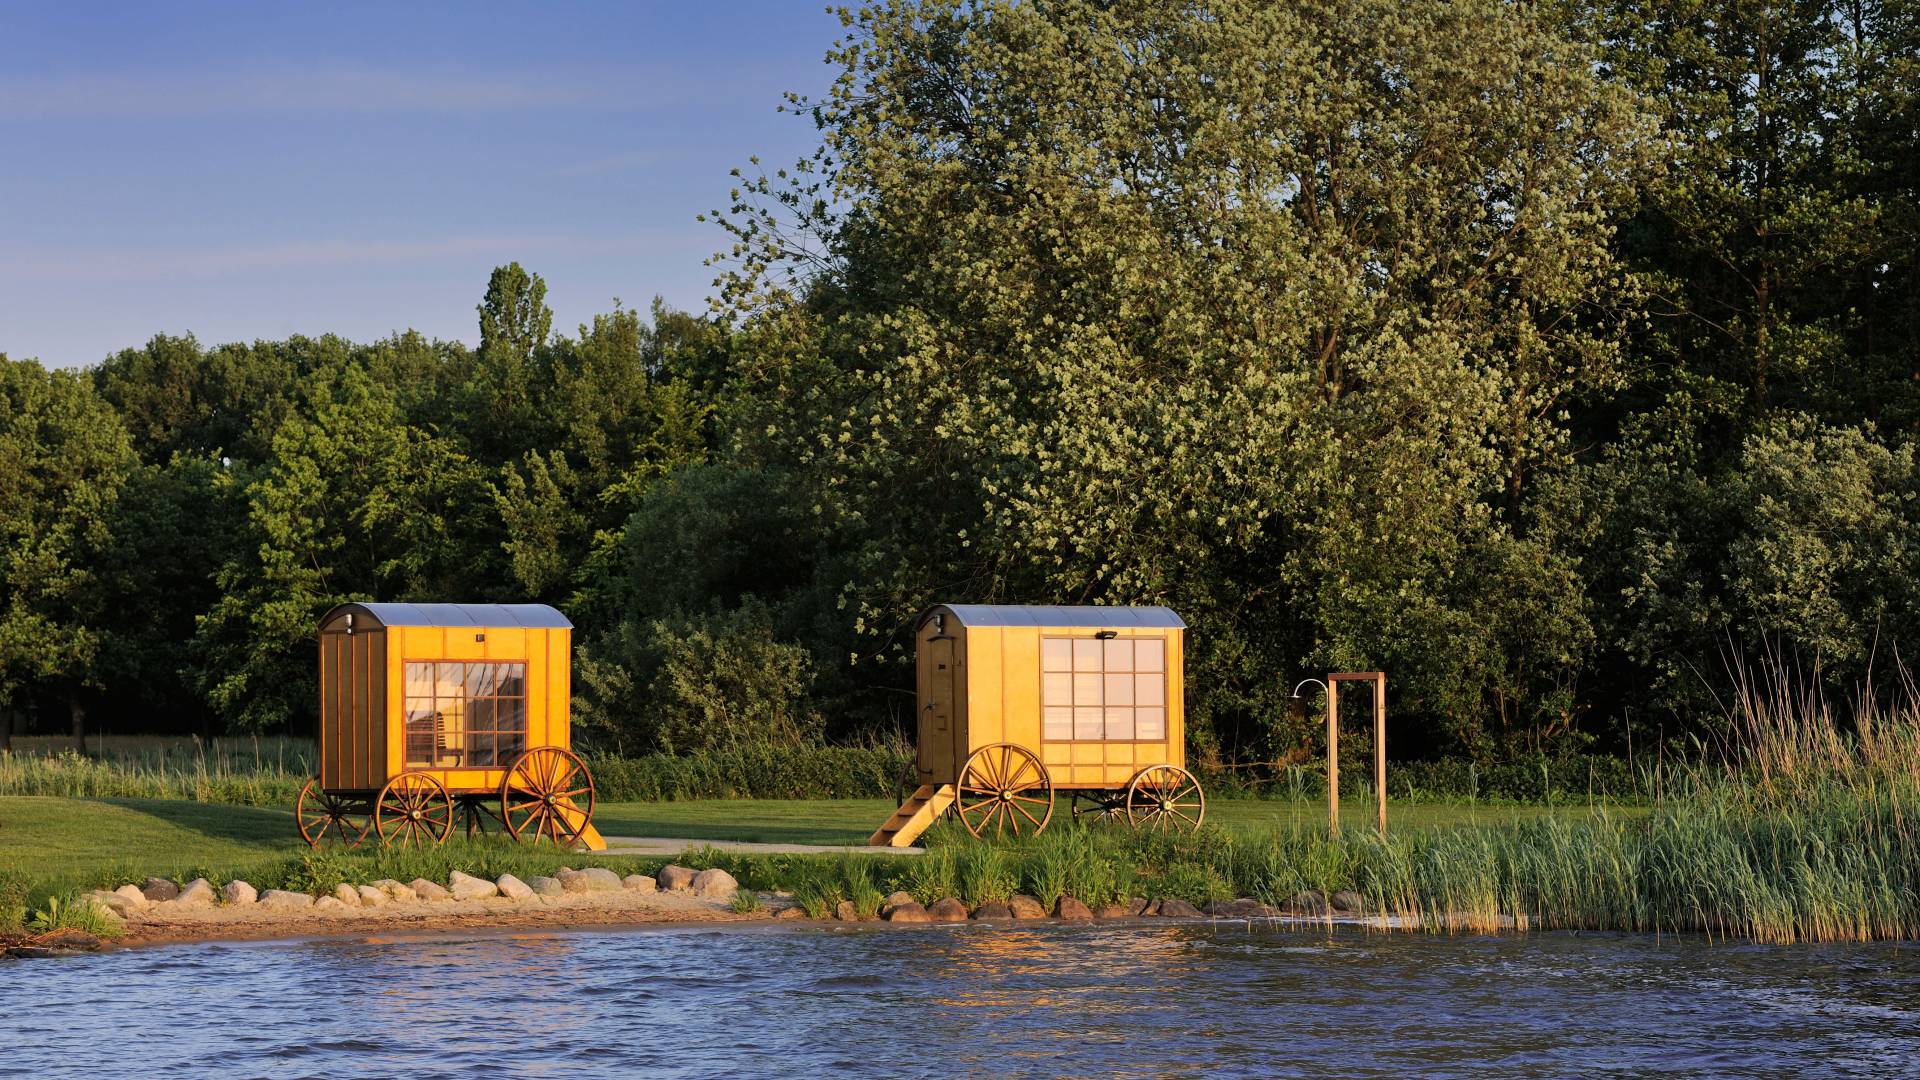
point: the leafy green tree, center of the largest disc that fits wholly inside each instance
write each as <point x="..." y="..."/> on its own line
<point x="502" y="394"/>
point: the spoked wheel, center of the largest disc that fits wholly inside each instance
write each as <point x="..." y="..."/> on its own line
<point x="479" y="817"/>
<point x="1004" y="789"/>
<point x="328" y="818"/>
<point x="413" y="810"/>
<point x="1100" y="805"/>
<point x="1163" y="797"/>
<point x="548" y="793"/>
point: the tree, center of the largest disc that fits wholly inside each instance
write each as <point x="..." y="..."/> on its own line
<point x="515" y="324"/>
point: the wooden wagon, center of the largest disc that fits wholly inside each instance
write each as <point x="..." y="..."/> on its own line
<point x="432" y="714"/>
<point x="1018" y="705"/>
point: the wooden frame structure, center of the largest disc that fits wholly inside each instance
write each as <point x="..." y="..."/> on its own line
<point x="1379" y="681"/>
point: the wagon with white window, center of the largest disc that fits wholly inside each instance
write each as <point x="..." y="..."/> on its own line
<point x="434" y="716"/>
<point x="1021" y="707"/>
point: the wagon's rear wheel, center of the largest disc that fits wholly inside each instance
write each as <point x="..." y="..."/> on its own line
<point x="1163" y="797"/>
<point x="548" y="793"/>
<point x="325" y="817"/>
<point x="413" y="810"/>
<point x="1004" y="789"/>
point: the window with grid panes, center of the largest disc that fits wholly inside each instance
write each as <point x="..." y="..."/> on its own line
<point x="465" y="715"/>
<point x="1114" y="690"/>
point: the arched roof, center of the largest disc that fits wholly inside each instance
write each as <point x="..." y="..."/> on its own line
<point x="1091" y="616"/>
<point x="522" y="615"/>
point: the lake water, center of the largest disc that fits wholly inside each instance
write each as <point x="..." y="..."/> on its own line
<point x="971" y="1000"/>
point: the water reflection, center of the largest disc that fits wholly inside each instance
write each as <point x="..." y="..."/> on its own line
<point x="1018" y="999"/>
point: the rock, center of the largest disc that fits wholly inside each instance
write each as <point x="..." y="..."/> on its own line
<point x="895" y="899"/>
<point x="1146" y="908"/>
<point x="239" y="892"/>
<point x="907" y="912"/>
<point x="947" y="909"/>
<point x="715" y="884"/>
<point x="545" y="886"/>
<point x="281" y="898"/>
<point x="157" y="889"/>
<point x="1175" y="908"/>
<point x="676" y="878"/>
<point x="372" y="897"/>
<point x="639" y="883"/>
<point x="1306" y="902"/>
<point x="398" y="893"/>
<point x="32" y="952"/>
<point x="1243" y="908"/>
<point x="846" y="912"/>
<point x="466" y="887"/>
<point x="592" y="879"/>
<point x="71" y="941"/>
<point x="196" y="893"/>
<point x="513" y="888"/>
<point x="347" y="894"/>
<point x="1027" y="907"/>
<point x="332" y="905"/>
<point x="1069" y="908"/>
<point x="1114" y="911"/>
<point x="135" y="898"/>
<point x="111" y="902"/>
<point x="993" y="909"/>
<point x="429" y="891"/>
<point x="1348" y="902"/>
<point x="792" y="911"/>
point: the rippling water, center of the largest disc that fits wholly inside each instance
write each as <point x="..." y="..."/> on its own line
<point x="979" y="1000"/>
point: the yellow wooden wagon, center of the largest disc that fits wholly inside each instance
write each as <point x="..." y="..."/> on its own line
<point x="437" y="713"/>
<point x="1020" y="704"/>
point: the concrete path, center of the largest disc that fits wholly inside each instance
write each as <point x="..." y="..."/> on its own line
<point x="665" y="845"/>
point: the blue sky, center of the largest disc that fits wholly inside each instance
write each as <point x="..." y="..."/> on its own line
<point x="260" y="169"/>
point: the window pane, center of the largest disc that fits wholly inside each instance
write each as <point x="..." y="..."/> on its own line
<point x="1119" y="654"/>
<point x="1086" y="654"/>
<point x="512" y="744"/>
<point x="1056" y="689"/>
<point x="1119" y="723"/>
<point x="1086" y="723"/>
<point x="1056" y="654"/>
<point x="1086" y="689"/>
<point x="450" y="680"/>
<point x="513" y="680"/>
<point x="480" y="714"/>
<point x="1119" y="689"/>
<point x="510" y="715"/>
<point x="420" y="731"/>
<point x="483" y="679"/>
<point x="419" y="680"/>
<point x="1150" y="654"/>
<point x="1149" y="689"/>
<point x="1059" y="723"/>
<point x="1150" y="723"/>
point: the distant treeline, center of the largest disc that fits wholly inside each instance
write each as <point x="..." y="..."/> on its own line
<point x="1543" y="355"/>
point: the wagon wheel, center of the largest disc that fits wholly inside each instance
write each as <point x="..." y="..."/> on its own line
<point x="537" y="792"/>
<point x="413" y="810"/>
<point x="478" y="815"/>
<point x="1165" y="797"/>
<point x="323" y="816"/>
<point x="1004" y="788"/>
<point x="1101" y="806"/>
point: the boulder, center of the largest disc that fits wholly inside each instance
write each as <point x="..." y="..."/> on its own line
<point x="281" y="898"/>
<point x="239" y="892"/>
<point x="466" y="887"/>
<point x="715" y="884"/>
<point x="592" y="879"/>
<point x="1175" y="908"/>
<point x="156" y="889"/>
<point x="1146" y="908"/>
<point x="135" y="898"/>
<point x="1347" y="902"/>
<point x="347" y="894"/>
<point x="332" y="905"/>
<point x="398" y="893"/>
<point x="513" y="888"/>
<point x="1120" y="910"/>
<point x="1243" y="908"/>
<point x="993" y="909"/>
<point x="907" y="912"/>
<point x="639" y="883"/>
<point x="1027" y="907"/>
<point x="545" y="886"/>
<point x="791" y="911"/>
<point x="196" y="893"/>
<point x="1069" y="908"/>
<point x="110" y="902"/>
<point x="846" y="912"/>
<point x="372" y="897"/>
<point x="1306" y="902"/>
<point x="947" y="909"/>
<point x="894" y="900"/>
<point x="676" y="878"/>
<point x="429" y="891"/>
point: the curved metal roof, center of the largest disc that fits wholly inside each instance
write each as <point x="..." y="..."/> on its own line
<point x="523" y="615"/>
<point x="1093" y="616"/>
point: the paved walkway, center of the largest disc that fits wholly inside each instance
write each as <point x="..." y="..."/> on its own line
<point x="666" y="845"/>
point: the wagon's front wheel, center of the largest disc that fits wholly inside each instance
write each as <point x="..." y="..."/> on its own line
<point x="413" y="810"/>
<point x="1165" y="797"/>
<point x="1004" y="789"/>
<point x="548" y="793"/>
<point x="324" y="816"/>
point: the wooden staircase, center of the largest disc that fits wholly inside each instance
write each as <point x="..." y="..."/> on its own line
<point x="921" y="810"/>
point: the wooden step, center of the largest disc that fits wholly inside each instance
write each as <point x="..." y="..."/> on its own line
<point x="914" y="817"/>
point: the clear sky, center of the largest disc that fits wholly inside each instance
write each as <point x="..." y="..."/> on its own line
<point x="248" y="170"/>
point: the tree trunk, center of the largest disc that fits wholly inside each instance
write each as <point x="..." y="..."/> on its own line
<point x="6" y="729"/>
<point x="78" y="712"/>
